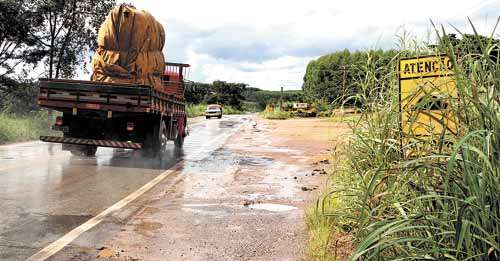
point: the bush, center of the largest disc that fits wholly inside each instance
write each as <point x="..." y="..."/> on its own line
<point x="276" y="115"/>
<point x="194" y="110"/>
<point x="324" y="114"/>
<point x="15" y="128"/>
<point x="17" y="96"/>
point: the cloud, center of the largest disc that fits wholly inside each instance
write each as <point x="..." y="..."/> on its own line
<point x="269" y="43"/>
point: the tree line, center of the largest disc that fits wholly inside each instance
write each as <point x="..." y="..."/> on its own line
<point x="218" y="92"/>
<point x="237" y="95"/>
<point x="335" y="78"/>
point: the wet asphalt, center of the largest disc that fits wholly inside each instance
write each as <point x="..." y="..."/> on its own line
<point x="46" y="192"/>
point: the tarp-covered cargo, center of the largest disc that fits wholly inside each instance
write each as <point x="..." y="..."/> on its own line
<point x="130" y="44"/>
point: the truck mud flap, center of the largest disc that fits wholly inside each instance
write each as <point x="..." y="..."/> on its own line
<point x="100" y="143"/>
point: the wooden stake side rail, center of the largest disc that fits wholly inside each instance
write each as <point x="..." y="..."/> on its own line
<point x="89" y="95"/>
<point x="167" y="103"/>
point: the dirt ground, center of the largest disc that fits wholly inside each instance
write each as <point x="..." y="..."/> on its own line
<point x="244" y="202"/>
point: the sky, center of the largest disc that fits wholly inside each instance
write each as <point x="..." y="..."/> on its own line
<point x="268" y="44"/>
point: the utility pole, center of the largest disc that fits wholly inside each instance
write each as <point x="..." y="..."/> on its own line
<point x="281" y="99"/>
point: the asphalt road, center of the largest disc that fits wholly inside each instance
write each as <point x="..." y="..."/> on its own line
<point x="45" y="192"/>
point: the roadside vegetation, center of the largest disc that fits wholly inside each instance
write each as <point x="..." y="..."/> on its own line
<point x="15" y="128"/>
<point x="441" y="204"/>
<point x="276" y="115"/>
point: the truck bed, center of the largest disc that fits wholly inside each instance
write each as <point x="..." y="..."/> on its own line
<point x="63" y="95"/>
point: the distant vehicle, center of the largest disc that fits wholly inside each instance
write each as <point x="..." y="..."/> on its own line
<point x="213" y="110"/>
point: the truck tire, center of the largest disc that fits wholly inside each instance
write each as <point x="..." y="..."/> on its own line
<point x="180" y="132"/>
<point x="179" y="141"/>
<point x="83" y="150"/>
<point x="163" y="137"/>
<point x="90" y="151"/>
<point x="151" y="144"/>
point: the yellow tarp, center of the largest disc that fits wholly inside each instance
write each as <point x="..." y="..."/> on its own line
<point x="130" y="44"/>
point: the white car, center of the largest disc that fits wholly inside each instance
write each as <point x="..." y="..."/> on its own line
<point x="213" y="110"/>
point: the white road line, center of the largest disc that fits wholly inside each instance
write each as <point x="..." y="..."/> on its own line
<point x="59" y="244"/>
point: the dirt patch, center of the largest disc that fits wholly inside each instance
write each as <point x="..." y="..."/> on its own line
<point x="313" y="137"/>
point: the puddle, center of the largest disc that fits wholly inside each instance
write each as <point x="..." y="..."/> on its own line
<point x="227" y="124"/>
<point x="272" y="207"/>
<point x="255" y="161"/>
<point x="221" y="159"/>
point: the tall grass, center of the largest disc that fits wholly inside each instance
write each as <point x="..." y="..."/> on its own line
<point x="276" y="115"/>
<point x="441" y="204"/>
<point x="14" y="128"/>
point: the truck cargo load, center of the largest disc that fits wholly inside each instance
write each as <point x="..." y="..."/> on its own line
<point x="130" y="44"/>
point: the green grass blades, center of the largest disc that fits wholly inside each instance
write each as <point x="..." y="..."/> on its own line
<point x="442" y="204"/>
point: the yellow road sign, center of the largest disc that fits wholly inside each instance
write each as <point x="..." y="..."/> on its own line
<point x="428" y="94"/>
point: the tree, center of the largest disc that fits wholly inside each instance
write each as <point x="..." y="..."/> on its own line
<point x="219" y="92"/>
<point x="226" y="93"/>
<point x="335" y="77"/>
<point x="195" y="92"/>
<point x="262" y="97"/>
<point x="17" y="44"/>
<point x="69" y="32"/>
<point x="59" y="33"/>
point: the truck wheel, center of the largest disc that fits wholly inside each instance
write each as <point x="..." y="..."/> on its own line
<point x="179" y="141"/>
<point x="163" y="136"/>
<point x="83" y="150"/>
<point x="90" y="151"/>
<point x="220" y="116"/>
<point x="152" y="144"/>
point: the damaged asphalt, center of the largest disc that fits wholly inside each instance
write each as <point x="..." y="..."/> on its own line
<point x="235" y="193"/>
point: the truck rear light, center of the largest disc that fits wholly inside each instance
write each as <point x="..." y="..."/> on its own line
<point x="59" y="120"/>
<point x="130" y="126"/>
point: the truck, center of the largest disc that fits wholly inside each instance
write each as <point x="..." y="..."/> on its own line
<point x="96" y="114"/>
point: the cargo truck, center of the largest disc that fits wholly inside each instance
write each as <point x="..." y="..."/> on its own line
<point x="117" y="115"/>
<point x="134" y="99"/>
